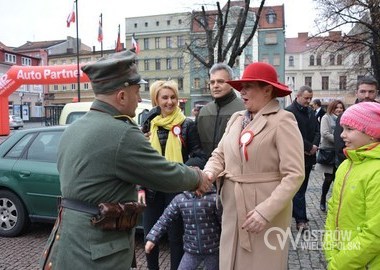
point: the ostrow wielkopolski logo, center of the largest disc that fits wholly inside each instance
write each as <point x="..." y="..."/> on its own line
<point x="309" y="240"/>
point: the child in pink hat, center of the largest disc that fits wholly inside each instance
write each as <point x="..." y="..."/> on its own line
<point x="352" y="239"/>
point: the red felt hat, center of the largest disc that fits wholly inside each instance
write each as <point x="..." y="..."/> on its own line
<point x="263" y="72"/>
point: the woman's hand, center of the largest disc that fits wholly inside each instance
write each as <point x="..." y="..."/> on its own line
<point x="147" y="135"/>
<point x="141" y="198"/>
<point x="254" y="223"/>
<point x="149" y="246"/>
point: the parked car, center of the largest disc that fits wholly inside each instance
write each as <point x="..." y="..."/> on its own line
<point x="75" y="110"/>
<point x="29" y="179"/>
<point x="15" y="122"/>
<point x="29" y="182"/>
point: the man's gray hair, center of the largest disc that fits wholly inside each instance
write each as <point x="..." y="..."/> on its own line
<point x="222" y="66"/>
<point x="304" y="88"/>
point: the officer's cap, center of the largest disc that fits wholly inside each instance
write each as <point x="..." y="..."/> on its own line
<point x="113" y="72"/>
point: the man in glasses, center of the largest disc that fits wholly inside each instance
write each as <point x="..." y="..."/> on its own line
<point x="213" y="117"/>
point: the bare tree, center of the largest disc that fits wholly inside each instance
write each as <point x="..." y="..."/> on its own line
<point x="363" y="18"/>
<point x="217" y="34"/>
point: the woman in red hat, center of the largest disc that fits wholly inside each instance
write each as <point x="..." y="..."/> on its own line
<point x="260" y="163"/>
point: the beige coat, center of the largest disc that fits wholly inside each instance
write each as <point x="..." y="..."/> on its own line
<point x="267" y="182"/>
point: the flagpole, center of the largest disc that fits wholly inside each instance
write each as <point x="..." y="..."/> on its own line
<point x="101" y="43"/>
<point x="78" y="69"/>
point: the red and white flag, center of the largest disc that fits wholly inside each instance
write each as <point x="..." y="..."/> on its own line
<point x="135" y="44"/>
<point x="71" y="18"/>
<point x="100" y="30"/>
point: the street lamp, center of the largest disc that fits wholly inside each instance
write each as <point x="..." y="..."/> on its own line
<point x="21" y="95"/>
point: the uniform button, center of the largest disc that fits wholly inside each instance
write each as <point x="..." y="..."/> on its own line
<point x="57" y="237"/>
<point x="45" y="253"/>
<point x="50" y="265"/>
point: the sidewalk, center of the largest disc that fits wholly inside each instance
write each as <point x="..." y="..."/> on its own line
<point x="305" y="256"/>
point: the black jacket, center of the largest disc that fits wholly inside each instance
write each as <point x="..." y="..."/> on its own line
<point x="201" y="222"/>
<point x="309" y="127"/>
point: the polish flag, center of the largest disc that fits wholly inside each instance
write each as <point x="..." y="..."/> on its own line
<point x="135" y="44"/>
<point x="71" y="18"/>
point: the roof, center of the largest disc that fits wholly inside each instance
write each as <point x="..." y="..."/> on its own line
<point x="304" y="42"/>
<point x="38" y="45"/>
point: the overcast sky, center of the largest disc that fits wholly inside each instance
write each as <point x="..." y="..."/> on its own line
<point x="40" y="20"/>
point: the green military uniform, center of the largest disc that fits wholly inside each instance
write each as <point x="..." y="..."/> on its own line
<point x="101" y="159"/>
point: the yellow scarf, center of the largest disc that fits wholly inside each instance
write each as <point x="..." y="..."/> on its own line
<point x="173" y="149"/>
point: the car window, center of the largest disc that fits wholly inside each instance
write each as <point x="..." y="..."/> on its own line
<point x="17" y="150"/>
<point x="44" y="147"/>
<point x="74" y="116"/>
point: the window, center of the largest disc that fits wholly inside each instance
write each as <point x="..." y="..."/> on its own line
<point x="342" y="82"/>
<point x="64" y="87"/>
<point x="146" y="86"/>
<point x="276" y="59"/>
<point x="271" y="38"/>
<point x="197" y="83"/>
<point x="180" y="84"/>
<point x="19" y="147"/>
<point x="10" y="58"/>
<point x="168" y="63"/>
<point x="339" y="59"/>
<point x="291" y="61"/>
<point x="26" y="61"/>
<point x="179" y="21"/>
<point x="308" y="81"/>
<point x="265" y="58"/>
<point x="157" y="42"/>
<point x="73" y="86"/>
<point x="55" y="87"/>
<point x="180" y="63"/>
<point x="271" y="16"/>
<point x="325" y="83"/>
<point x="44" y="147"/>
<point x="168" y="22"/>
<point x="135" y="25"/>
<point x="146" y="64"/>
<point x="158" y="64"/>
<point x="180" y="41"/>
<point x="311" y="60"/>
<point x="146" y="24"/>
<point x="169" y="42"/>
<point x="146" y="43"/>
<point x="319" y="60"/>
<point x="157" y="23"/>
<point x="85" y="86"/>
<point x="332" y="59"/>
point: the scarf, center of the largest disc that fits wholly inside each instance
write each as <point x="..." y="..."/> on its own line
<point x="246" y="119"/>
<point x="173" y="149"/>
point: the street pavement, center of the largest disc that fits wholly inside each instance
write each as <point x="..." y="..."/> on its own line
<point x="23" y="253"/>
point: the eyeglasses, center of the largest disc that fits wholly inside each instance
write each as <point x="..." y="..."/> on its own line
<point x="212" y="82"/>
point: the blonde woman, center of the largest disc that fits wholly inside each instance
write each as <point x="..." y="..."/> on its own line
<point x="175" y="137"/>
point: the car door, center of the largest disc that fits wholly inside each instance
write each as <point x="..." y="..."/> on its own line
<point x="36" y="171"/>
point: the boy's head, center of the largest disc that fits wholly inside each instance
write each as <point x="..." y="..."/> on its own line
<point x="363" y="117"/>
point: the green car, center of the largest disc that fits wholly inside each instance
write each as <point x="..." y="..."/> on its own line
<point x="29" y="181"/>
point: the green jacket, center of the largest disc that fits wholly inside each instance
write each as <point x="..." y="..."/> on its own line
<point x="101" y="159"/>
<point x="352" y="235"/>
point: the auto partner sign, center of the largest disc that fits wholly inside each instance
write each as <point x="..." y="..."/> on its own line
<point x="19" y="75"/>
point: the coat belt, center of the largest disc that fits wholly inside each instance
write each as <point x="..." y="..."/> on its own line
<point x="240" y="180"/>
<point x="80" y="206"/>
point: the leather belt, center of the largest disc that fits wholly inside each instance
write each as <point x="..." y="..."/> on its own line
<point x="78" y="205"/>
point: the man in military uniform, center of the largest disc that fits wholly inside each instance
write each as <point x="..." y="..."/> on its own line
<point x="101" y="157"/>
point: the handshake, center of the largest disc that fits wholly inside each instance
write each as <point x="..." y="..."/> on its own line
<point x="205" y="181"/>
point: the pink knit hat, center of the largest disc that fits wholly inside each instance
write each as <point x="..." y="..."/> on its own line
<point x="364" y="116"/>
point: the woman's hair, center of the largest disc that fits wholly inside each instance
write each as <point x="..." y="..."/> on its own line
<point x="158" y="85"/>
<point x="333" y="104"/>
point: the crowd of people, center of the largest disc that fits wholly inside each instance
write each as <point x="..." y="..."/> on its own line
<point x="217" y="184"/>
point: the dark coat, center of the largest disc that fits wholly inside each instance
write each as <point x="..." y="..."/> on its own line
<point x="320" y="114"/>
<point x="212" y="120"/>
<point x="309" y="127"/>
<point x="201" y="221"/>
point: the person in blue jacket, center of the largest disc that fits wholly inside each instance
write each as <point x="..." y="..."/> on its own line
<point x="202" y="225"/>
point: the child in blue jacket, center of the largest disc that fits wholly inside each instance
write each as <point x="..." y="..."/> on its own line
<point x="201" y="221"/>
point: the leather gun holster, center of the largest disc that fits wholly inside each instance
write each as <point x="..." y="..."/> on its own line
<point x="117" y="216"/>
